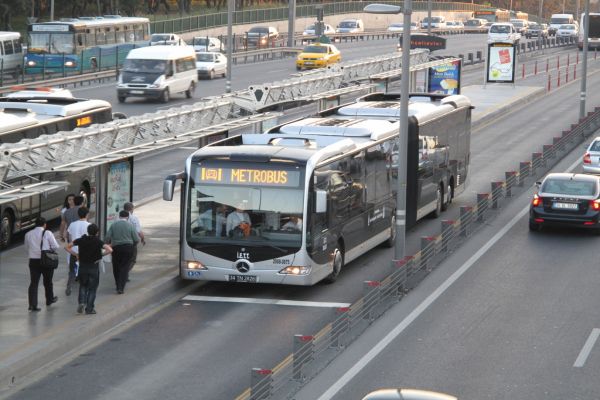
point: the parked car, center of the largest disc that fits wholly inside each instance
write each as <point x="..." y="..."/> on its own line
<point x="536" y="30"/>
<point x="566" y="199"/>
<point x="261" y="37"/>
<point x="503" y="32"/>
<point x="591" y="157"/>
<point x="207" y="43"/>
<point x="318" y="55"/>
<point x="351" y="26"/>
<point x="166" y="38"/>
<point x="310" y="30"/>
<point x="210" y="64"/>
<point x="567" y="31"/>
<point x="399" y="27"/>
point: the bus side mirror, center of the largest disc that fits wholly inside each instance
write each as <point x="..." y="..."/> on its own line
<point x="169" y="185"/>
<point x="321" y="197"/>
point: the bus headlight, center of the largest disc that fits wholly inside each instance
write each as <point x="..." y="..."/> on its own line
<point x="69" y="63"/>
<point x="295" y="270"/>
<point x="31" y="63"/>
<point x="194" y="265"/>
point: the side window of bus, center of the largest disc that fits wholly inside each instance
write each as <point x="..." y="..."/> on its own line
<point x="1" y="49"/>
<point x="90" y="37"/>
<point x="8" y="47"/>
<point x="100" y="37"/>
<point x="120" y="35"/>
<point x="110" y="35"/>
<point x="139" y="32"/>
<point x="80" y="39"/>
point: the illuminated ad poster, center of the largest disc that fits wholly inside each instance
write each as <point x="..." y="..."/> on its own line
<point x="119" y="189"/>
<point x="445" y="78"/>
<point x="501" y="62"/>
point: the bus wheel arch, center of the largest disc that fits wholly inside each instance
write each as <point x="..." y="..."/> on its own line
<point x="439" y="201"/>
<point x="85" y="191"/>
<point x="337" y="262"/>
<point x="391" y="240"/>
<point x="6" y="227"/>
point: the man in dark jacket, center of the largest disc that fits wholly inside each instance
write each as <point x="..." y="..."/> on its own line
<point x="122" y="237"/>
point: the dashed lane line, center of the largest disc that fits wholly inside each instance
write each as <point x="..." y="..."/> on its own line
<point x="587" y="348"/>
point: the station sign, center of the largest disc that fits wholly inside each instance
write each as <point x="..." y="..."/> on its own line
<point x="501" y="62"/>
<point x="431" y="42"/>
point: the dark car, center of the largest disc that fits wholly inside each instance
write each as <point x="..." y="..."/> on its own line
<point x="565" y="199"/>
<point x="261" y="37"/>
<point x="536" y="30"/>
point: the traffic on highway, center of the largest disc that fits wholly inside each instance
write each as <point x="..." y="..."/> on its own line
<point x="270" y="238"/>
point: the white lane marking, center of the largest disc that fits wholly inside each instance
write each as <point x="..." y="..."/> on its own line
<point x="587" y="348"/>
<point x="275" y="302"/>
<point x="189" y="148"/>
<point x="398" y="329"/>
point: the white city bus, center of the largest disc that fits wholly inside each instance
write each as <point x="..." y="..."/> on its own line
<point x="294" y="205"/>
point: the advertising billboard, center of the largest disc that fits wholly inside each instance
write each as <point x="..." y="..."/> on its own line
<point x="445" y="78"/>
<point x="501" y="63"/>
<point x="119" y="189"/>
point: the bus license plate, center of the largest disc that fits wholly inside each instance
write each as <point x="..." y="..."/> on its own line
<point x="565" y="206"/>
<point x="243" y="278"/>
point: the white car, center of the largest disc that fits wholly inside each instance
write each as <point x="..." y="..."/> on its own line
<point x="210" y="64"/>
<point x="166" y="39"/>
<point x="207" y="43"/>
<point x="310" y="30"/>
<point x="456" y="25"/>
<point x="399" y="27"/>
<point x="567" y="30"/>
<point x="503" y="32"/>
<point x="351" y="26"/>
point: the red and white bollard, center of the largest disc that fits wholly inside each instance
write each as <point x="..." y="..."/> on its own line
<point x="547" y="64"/>
<point x="523" y="71"/>
<point x="567" y="74"/>
<point x="535" y="68"/>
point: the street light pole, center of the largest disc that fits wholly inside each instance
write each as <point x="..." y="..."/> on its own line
<point x="428" y="17"/>
<point x="402" y="140"/>
<point x="229" y="44"/>
<point x="586" y="29"/>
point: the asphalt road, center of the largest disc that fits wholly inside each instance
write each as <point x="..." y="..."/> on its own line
<point x="197" y="349"/>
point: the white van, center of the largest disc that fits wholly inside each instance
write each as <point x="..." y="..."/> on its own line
<point x="556" y="20"/>
<point x="156" y="72"/>
<point x="11" y="52"/>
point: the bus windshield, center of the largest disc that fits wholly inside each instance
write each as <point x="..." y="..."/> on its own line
<point x="238" y="205"/>
<point x="53" y="43"/>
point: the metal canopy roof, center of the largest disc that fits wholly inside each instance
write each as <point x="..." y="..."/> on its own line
<point x="43" y="188"/>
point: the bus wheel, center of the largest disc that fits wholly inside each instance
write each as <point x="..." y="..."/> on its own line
<point x="190" y="92"/>
<point x="121" y="99"/>
<point x="391" y="241"/>
<point x="6" y="229"/>
<point x="337" y="264"/>
<point x="439" y="199"/>
<point x="165" y="96"/>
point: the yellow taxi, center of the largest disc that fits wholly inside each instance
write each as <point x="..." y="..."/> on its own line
<point x="318" y="55"/>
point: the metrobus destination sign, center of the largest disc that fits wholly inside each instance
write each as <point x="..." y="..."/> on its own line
<point x="430" y="42"/>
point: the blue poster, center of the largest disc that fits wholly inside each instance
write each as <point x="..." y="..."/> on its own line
<point x="445" y="78"/>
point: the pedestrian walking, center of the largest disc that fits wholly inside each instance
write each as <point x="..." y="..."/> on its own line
<point x="122" y="237"/>
<point x="36" y="240"/>
<point x="76" y="230"/>
<point x="135" y="221"/>
<point x="71" y="215"/>
<point x="90" y="252"/>
<point x="69" y="203"/>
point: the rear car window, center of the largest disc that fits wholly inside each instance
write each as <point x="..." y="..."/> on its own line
<point x="569" y="187"/>
<point x="595" y="146"/>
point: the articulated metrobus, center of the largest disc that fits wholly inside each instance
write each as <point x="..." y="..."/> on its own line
<point x="295" y="204"/>
<point x="27" y="115"/>
<point x="85" y="43"/>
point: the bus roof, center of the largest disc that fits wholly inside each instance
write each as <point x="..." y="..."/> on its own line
<point x="161" y="52"/>
<point x="332" y="126"/>
<point x="92" y="21"/>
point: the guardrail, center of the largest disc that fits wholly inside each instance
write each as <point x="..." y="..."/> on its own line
<point x="314" y="351"/>
<point x="201" y="22"/>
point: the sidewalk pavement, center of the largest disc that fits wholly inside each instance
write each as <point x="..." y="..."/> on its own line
<point x="29" y="341"/>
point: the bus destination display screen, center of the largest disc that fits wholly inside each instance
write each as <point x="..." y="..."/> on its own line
<point x="249" y="176"/>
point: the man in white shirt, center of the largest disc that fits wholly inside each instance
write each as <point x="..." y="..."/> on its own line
<point x="75" y="230"/>
<point x="236" y="218"/>
<point x="35" y="243"/>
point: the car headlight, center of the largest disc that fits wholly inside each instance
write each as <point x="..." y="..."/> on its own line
<point x="158" y="82"/>
<point x="295" y="270"/>
<point x="194" y="265"/>
<point x="31" y="63"/>
<point x="69" y="63"/>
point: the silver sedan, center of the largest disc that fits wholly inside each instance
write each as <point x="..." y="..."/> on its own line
<point x="591" y="158"/>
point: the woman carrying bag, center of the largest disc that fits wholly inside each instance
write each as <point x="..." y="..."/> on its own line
<point x="36" y="240"/>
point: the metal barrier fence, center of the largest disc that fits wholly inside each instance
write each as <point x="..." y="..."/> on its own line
<point x="311" y="353"/>
<point x="200" y="22"/>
